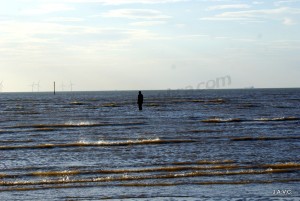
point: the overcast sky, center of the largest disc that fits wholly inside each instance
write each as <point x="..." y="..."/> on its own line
<point x="148" y="44"/>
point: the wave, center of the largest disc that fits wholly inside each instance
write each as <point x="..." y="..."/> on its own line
<point x="110" y="105"/>
<point x="156" y="184"/>
<point x="77" y="124"/>
<point x="217" y="101"/>
<point x="222" y="182"/>
<point x="209" y="165"/>
<point x="242" y="169"/>
<point x="56" y="173"/>
<point x="43" y="130"/>
<point x="204" y="131"/>
<point x="120" y="171"/>
<point x="229" y="120"/>
<point x="96" y="144"/>
<point x="126" y="177"/>
<point x="219" y="120"/>
<point x="143" y="177"/>
<point x="203" y="162"/>
<point x="248" y="105"/>
<point x="264" y="138"/>
<point x="282" y="165"/>
<point x="16" y="141"/>
<point x="278" y="119"/>
<point x="152" y="105"/>
<point x="77" y="103"/>
<point x="28" y="113"/>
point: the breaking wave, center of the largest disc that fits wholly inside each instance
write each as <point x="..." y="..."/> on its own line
<point x="96" y="144"/>
<point x="278" y="119"/>
<point x="219" y="120"/>
<point x="264" y="138"/>
<point x="150" y="176"/>
<point x="71" y="124"/>
<point x="228" y="120"/>
<point x="126" y="177"/>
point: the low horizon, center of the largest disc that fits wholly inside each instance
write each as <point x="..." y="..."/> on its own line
<point x="137" y="90"/>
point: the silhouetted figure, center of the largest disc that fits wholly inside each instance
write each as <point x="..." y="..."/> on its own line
<point x="140" y="100"/>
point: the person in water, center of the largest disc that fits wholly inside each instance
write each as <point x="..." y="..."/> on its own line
<point x="140" y="100"/>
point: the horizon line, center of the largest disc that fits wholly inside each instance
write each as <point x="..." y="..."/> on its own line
<point x="124" y="90"/>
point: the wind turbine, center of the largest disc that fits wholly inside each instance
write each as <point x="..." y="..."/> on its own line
<point x="32" y="86"/>
<point x="62" y="86"/>
<point x="38" y="86"/>
<point x="1" y="86"/>
<point x="71" y="85"/>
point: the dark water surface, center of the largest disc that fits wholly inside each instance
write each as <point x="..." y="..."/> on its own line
<point x="184" y="145"/>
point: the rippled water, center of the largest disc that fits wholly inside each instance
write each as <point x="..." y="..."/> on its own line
<point x="184" y="145"/>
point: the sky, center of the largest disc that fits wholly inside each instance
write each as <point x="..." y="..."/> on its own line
<point x="95" y="45"/>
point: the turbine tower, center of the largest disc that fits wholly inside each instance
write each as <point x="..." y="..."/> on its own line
<point x="71" y="86"/>
<point x="1" y="86"/>
<point x="32" y="86"/>
<point x="62" y="86"/>
<point x="38" y="86"/>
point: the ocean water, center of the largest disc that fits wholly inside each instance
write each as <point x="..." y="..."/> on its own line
<point x="184" y="145"/>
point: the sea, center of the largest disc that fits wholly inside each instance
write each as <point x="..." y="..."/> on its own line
<point x="223" y="144"/>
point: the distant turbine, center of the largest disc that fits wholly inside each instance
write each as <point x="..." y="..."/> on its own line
<point x="71" y="86"/>
<point x="38" y="86"/>
<point x="1" y="86"/>
<point x="32" y="86"/>
<point x="62" y="86"/>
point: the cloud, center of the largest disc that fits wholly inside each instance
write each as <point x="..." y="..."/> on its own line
<point x="279" y="3"/>
<point x="192" y="36"/>
<point x="146" y="14"/>
<point x="46" y="9"/>
<point x="232" y="6"/>
<point x="64" y="19"/>
<point x="121" y="2"/>
<point x="180" y="26"/>
<point x="147" y="23"/>
<point x="254" y="15"/>
<point x="12" y="28"/>
<point x="287" y="44"/>
<point x="259" y="13"/>
<point x="288" y="21"/>
<point x="38" y="38"/>
<point x="258" y="2"/>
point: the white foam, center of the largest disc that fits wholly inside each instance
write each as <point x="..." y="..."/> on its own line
<point x="104" y="142"/>
<point x="277" y="119"/>
<point x="79" y="123"/>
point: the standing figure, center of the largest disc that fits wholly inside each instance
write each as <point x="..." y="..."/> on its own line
<point x="140" y="100"/>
